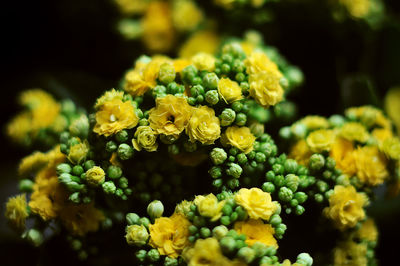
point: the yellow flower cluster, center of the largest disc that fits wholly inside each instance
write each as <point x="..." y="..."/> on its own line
<point x="256" y="202"/>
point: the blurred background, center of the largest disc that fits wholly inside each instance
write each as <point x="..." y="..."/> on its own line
<point x="71" y="49"/>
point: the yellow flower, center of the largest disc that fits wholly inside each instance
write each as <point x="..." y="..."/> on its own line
<point x="354" y="131"/>
<point x="259" y="62"/>
<point x="350" y="253"/>
<point x="392" y="106"/>
<point x="371" y="165"/>
<point x="381" y="134"/>
<point x="180" y="64"/>
<point x="186" y="15"/>
<point x="357" y="8"/>
<point x="203" y="126"/>
<point x="300" y="152"/>
<point x="204" y="61"/>
<point x="95" y="176"/>
<point x="115" y="116"/>
<point x="136" y="235"/>
<point x="256" y="202"/>
<point x="108" y="96"/>
<point x="183" y="207"/>
<point x="320" y="140"/>
<point x="158" y="31"/>
<point x="313" y="122"/>
<point x="19" y="128"/>
<point x="369" y="116"/>
<point x="346" y="207"/>
<point x="367" y="231"/>
<point x="209" y="206"/>
<point x="170" y="235"/>
<point x="205" y="41"/>
<point x="206" y="252"/>
<point x="391" y="147"/>
<point x="16" y="211"/>
<point x="265" y="88"/>
<point x="256" y="231"/>
<point x="78" y="152"/>
<point x="38" y="160"/>
<point x="229" y="90"/>
<point x="239" y="137"/>
<point x="342" y="152"/>
<point x="145" y="138"/>
<point x="170" y="116"/>
<point x="131" y="7"/>
<point x="81" y="219"/>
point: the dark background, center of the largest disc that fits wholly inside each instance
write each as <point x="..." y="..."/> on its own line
<point x="69" y="48"/>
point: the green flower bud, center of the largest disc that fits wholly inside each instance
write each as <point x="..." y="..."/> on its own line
<point x="241" y="158"/>
<point x="227" y="209"/>
<point x="155" y="209"/>
<point x="64" y="137"/>
<point x="114" y="172"/>
<point x="225" y="220"/>
<point x="132" y="218"/>
<point x="63" y="168"/>
<point x="76" y="244"/>
<point x="227" y="117"/>
<point x="141" y="255"/>
<point x="275" y="220"/>
<point x="270" y="176"/>
<point x="266" y="261"/>
<point x="111" y="146"/>
<point x="217" y="183"/>
<point x="246" y="254"/>
<point x="279" y="181"/>
<point x="268" y="187"/>
<point x="74" y="186"/>
<point x="212" y="97"/>
<point x="305" y="259"/>
<point x="318" y="198"/>
<point x="210" y="81"/>
<point x="301" y="197"/>
<point x="290" y="166"/>
<point x="234" y="170"/>
<point x="26" y="185"/>
<point x="122" y="136"/>
<point x="329" y="193"/>
<point x="144" y="221"/>
<point x="193" y="229"/>
<point x="317" y="161"/>
<point x="75" y="198"/>
<point x="271" y="251"/>
<point x="228" y="244"/>
<point x="278" y="168"/>
<point x="225" y="68"/>
<point x="260" y="249"/>
<point x="322" y="186"/>
<point x="125" y="151"/>
<point x="205" y="232"/>
<point x="159" y="90"/>
<point x="285" y="194"/>
<point x="95" y="176"/>
<point x="34" y="236"/>
<point x="80" y="127"/>
<point x="336" y="121"/>
<point x="285" y="133"/>
<point x="167" y="73"/>
<point x="241" y="119"/>
<point x="65" y="178"/>
<point x="153" y="255"/>
<point x="215" y="172"/>
<point x="218" y="156"/>
<point x="88" y="164"/>
<point x="219" y="231"/>
<point x="136" y="235"/>
<point x="78" y="170"/>
<point x="330" y="163"/>
<point x="109" y="187"/>
<point x="170" y="261"/>
<point x="123" y="182"/>
<point x="260" y="157"/>
<point x="68" y="107"/>
<point x="292" y="182"/>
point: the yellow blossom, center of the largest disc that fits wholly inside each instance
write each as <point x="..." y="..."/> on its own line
<point x="170" y="116"/>
<point x="179" y="64"/>
<point x="256" y="231"/>
<point x="78" y="152"/>
<point x="16" y="211"/>
<point x="313" y="122"/>
<point x="369" y="116"/>
<point x="350" y="253"/>
<point x="370" y="165"/>
<point x="109" y="96"/>
<point x="367" y="231"/>
<point x="170" y="235"/>
<point x="145" y="138"/>
<point x="186" y="15"/>
<point x="183" y="207"/>
<point x="300" y="152"/>
<point x="381" y="134"/>
<point x="19" y="128"/>
<point x="320" y="140"/>
<point x="131" y="7"/>
<point x="239" y="137"/>
<point x="158" y="31"/>
<point x="346" y="207"/>
<point x="256" y="202"/>
<point x="38" y="160"/>
<point x="206" y="41"/>
<point x="342" y="152"/>
<point x="115" y="116"/>
<point x="203" y="126"/>
<point x="354" y="131"/>
<point x="136" y="235"/>
<point x="357" y="8"/>
<point x="265" y="88"/>
<point x="392" y="106"/>
<point x="204" y="61"/>
<point x="209" y="206"/>
<point x="258" y="62"/>
<point x="95" y="176"/>
<point x="229" y="90"/>
<point x="391" y="147"/>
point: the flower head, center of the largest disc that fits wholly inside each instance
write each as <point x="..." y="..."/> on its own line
<point x="300" y="152"/>
<point x="391" y="147"/>
<point x="320" y="140"/>
<point x="136" y="235"/>
<point x="265" y="88"/>
<point x="201" y="41"/>
<point x="350" y="253"/>
<point x="256" y="202"/>
<point x="256" y="231"/>
<point x="354" y="131"/>
<point x="203" y="126"/>
<point x="229" y="90"/>
<point x="16" y="211"/>
<point x="239" y="137"/>
<point x="95" y="176"/>
<point x="78" y="152"/>
<point x="342" y="152"/>
<point x="145" y="138"/>
<point x="204" y="61"/>
<point x="109" y="96"/>
<point x="367" y="231"/>
<point x="209" y="206"/>
<point x="371" y="165"/>
<point x="206" y="252"/>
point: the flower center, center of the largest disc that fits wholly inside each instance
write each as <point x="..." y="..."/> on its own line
<point x="113" y="118"/>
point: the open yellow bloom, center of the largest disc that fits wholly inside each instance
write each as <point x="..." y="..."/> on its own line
<point x="300" y="152"/>
<point x="313" y="122"/>
<point x="204" y="61"/>
<point x="346" y="207"/>
<point x="205" y="41"/>
<point x="170" y="235"/>
<point x="109" y="96"/>
<point x="265" y="88"/>
<point x="203" y="126"/>
<point x="16" y="211"/>
<point x="256" y="231"/>
<point x="371" y="165"/>
<point x="115" y="116"/>
<point x="145" y="138"/>
<point x="38" y="160"/>
<point x="354" y="131"/>
<point x="186" y="15"/>
<point x="209" y="206"/>
<point x="19" y="128"/>
<point x="258" y="62"/>
<point x="342" y="152"/>
<point x="367" y="231"/>
<point x="170" y="116"/>
<point x="391" y="147"/>
<point x="381" y="134"/>
<point x="239" y="137"/>
<point x="350" y="253"/>
<point x="320" y="140"/>
<point x="369" y="116"/>
<point x="256" y="202"/>
<point x="229" y="90"/>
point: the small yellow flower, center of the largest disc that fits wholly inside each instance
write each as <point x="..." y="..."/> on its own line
<point x="206" y="252"/>
<point x="16" y="211"/>
<point x="78" y="152"/>
<point x="229" y="90"/>
<point x="109" y="96"/>
<point x="136" y="235"/>
<point x="342" y="152"/>
<point x="256" y="202"/>
<point x="354" y="131"/>
<point x="95" y="176"/>
<point x="346" y="207"/>
<point x="115" y="116"/>
<point x="265" y="88"/>
<point x="186" y="15"/>
<point x="179" y="64"/>
<point x="131" y="7"/>
<point x="371" y="165"/>
<point x="203" y="126"/>
<point x="209" y="206"/>
<point x="38" y="160"/>
<point x="183" y="207"/>
<point x="259" y="62"/>
<point x="381" y="134"/>
<point x="204" y="61"/>
<point x="205" y="41"/>
<point x="256" y="231"/>
<point x="313" y="122"/>
<point x="357" y="8"/>
<point x="19" y="128"/>
<point x="369" y="116"/>
<point x="392" y="106"/>
<point x="300" y="152"/>
<point x="320" y="140"/>
<point x="145" y="138"/>
<point x="350" y="253"/>
<point x="239" y="137"/>
<point x="367" y="231"/>
<point x="391" y="147"/>
<point x="170" y="235"/>
<point x="170" y="116"/>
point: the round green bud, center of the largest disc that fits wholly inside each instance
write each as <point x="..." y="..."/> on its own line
<point x="330" y="163"/>
<point x="114" y="172"/>
<point x="76" y="244"/>
<point x="266" y="261"/>
<point x="136" y="235"/>
<point x="246" y="254"/>
<point x="241" y="158"/>
<point x="240" y="77"/>
<point x="199" y="221"/>
<point x="193" y="229"/>
<point x="225" y="68"/>
<point x="225" y="220"/>
<point x="167" y="73"/>
<point x="271" y="251"/>
<point x="121" y="136"/>
<point x="293" y="202"/>
<point x="270" y="176"/>
<point x="26" y="185"/>
<point x="241" y="119"/>
<point x="237" y="106"/>
<point x="197" y="90"/>
<point x="34" y="236"/>
<point x="336" y="121"/>
<point x="268" y="187"/>
<point x="153" y="255"/>
<point x="125" y="151"/>
<point x="228" y="244"/>
<point x="322" y="186"/>
<point x="141" y="255"/>
<point x="233" y="217"/>
<point x="205" y="232"/>
<point x="260" y="157"/>
<point x="159" y="90"/>
<point x="290" y="166"/>
<point x="227" y="209"/>
<point x="279" y="181"/>
<point x="155" y="209"/>
<point x="242" y="214"/>
<point x="217" y="183"/>
<point x="299" y="130"/>
<point x="234" y="170"/>
<point x="123" y="182"/>
<point x="244" y="85"/>
<point x="305" y="259"/>
<point x="170" y="261"/>
<point x="80" y="127"/>
<point x="285" y="194"/>
<point x="74" y="186"/>
<point x="301" y="197"/>
<point x="215" y="172"/>
<point x="144" y="221"/>
<point x="227" y="117"/>
<point x="64" y="137"/>
<point x="317" y="161"/>
<point x="212" y="97"/>
<point x="109" y="187"/>
<point x="132" y="218"/>
<point x="292" y="182"/>
<point x="218" y="156"/>
<point x="63" y="168"/>
<point x="111" y="146"/>
<point x="65" y="178"/>
<point x="260" y="249"/>
<point x="278" y="168"/>
<point x="318" y="198"/>
<point x="219" y="231"/>
<point x="275" y="220"/>
<point x="75" y="197"/>
<point x="78" y="170"/>
<point x="88" y="164"/>
<point x="285" y="133"/>
<point x="210" y="81"/>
